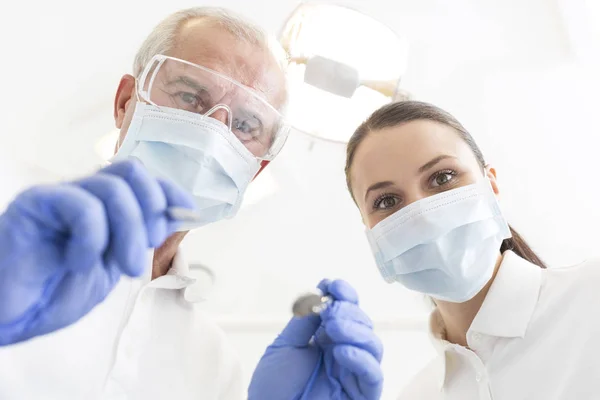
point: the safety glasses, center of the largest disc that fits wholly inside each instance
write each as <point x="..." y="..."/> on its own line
<point x="178" y="84"/>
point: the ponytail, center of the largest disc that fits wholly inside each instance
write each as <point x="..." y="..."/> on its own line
<point x="519" y="246"/>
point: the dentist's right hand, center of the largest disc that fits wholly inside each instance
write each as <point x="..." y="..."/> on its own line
<point x="63" y="247"/>
<point x="335" y="355"/>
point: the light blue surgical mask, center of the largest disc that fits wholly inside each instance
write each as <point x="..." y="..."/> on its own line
<point x="197" y="152"/>
<point x="445" y="245"/>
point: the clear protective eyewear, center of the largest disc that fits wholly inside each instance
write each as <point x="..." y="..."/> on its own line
<point x="178" y="84"/>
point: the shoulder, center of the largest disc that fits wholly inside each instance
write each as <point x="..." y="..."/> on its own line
<point x="583" y="275"/>
<point x="571" y="290"/>
<point x="426" y="384"/>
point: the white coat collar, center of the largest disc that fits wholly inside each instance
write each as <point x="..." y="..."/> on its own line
<point x="505" y="312"/>
<point x="177" y="277"/>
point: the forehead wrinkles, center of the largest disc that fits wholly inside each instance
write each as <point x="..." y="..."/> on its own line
<point x="205" y="43"/>
<point x="259" y="73"/>
<point x="174" y="70"/>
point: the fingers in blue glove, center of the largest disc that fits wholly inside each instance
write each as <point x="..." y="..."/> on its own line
<point x="347" y="323"/>
<point x="64" y="208"/>
<point x="298" y="332"/>
<point x="176" y="197"/>
<point x="345" y="310"/>
<point x="128" y="243"/>
<point x="148" y="193"/>
<point x="346" y="331"/>
<point x="364" y="367"/>
<point x="323" y="286"/>
<point x="339" y="290"/>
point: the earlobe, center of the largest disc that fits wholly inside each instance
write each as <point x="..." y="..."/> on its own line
<point x="491" y="175"/>
<point x="125" y="93"/>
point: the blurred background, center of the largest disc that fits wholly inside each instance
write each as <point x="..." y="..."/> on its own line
<point x="522" y="76"/>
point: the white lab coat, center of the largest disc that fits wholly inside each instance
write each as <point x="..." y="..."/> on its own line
<point x="145" y="341"/>
<point x="534" y="338"/>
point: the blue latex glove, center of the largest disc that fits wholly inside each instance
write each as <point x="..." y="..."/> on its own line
<point x="332" y="356"/>
<point x="63" y="247"/>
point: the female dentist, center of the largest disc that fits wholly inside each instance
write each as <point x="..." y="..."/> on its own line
<point x="504" y="326"/>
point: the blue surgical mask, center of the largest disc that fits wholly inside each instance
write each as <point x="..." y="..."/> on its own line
<point x="197" y="152"/>
<point x="445" y="245"/>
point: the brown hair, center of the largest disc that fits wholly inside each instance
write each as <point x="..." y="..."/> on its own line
<point x="395" y="114"/>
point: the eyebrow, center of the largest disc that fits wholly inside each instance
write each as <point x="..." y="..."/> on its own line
<point x="433" y="162"/>
<point x="187" y="81"/>
<point x="428" y="165"/>
<point x="378" y="185"/>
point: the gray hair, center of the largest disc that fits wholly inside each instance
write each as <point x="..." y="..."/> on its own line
<point x="162" y="39"/>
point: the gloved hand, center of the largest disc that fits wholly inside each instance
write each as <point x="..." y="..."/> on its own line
<point x="332" y="356"/>
<point x="64" y="246"/>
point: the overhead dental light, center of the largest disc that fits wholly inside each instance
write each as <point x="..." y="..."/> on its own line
<point x="344" y="65"/>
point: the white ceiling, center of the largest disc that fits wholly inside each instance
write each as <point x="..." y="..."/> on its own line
<point x="504" y="67"/>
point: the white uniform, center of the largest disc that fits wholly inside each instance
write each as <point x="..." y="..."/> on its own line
<point x="145" y="341"/>
<point x="536" y="336"/>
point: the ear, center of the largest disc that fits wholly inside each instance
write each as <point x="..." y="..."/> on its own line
<point x="491" y="175"/>
<point x="125" y="94"/>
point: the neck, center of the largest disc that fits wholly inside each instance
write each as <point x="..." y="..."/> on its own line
<point x="458" y="317"/>
<point x="164" y="255"/>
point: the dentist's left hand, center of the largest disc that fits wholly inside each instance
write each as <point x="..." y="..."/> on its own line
<point x="332" y="356"/>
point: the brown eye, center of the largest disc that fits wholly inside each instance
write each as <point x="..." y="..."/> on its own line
<point x="385" y="202"/>
<point x="442" y="178"/>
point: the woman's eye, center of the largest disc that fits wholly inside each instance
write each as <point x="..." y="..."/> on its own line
<point x="385" y="202"/>
<point x="443" y="178"/>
